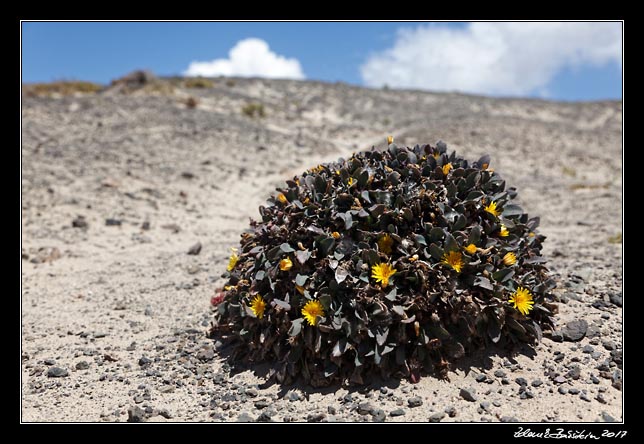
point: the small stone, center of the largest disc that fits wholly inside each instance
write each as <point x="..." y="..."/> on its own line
<point x="331" y="410"/>
<point x="264" y="417"/>
<point x="563" y="390"/>
<point x="575" y="330"/>
<point x="607" y="418"/>
<point x="521" y="381"/>
<point x="437" y="417"/>
<point x="574" y="372"/>
<point x="583" y="273"/>
<point x="80" y="222"/>
<point x="144" y="361"/>
<point x="207" y="353"/>
<point x="467" y="393"/>
<point x="82" y="365"/>
<point x="480" y="377"/>
<point x="496" y="403"/>
<point x="485" y="405"/>
<point x="415" y="401"/>
<point x="509" y="419"/>
<point x="244" y="417"/>
<point x="49" y="362"/>
<point x="110" y="222"/>
<point x="600" y="398"/>
<point x="451" y="411"/>
<point x="145" y="225"/>
<point x="165" y="413"/>
<point x="315" y="417"/>
<point x="609" y="345"/>
<point x="559" y="380"/>
<point x="557" y="336"/>
<point x="505" y="381"/>
<point x="594" y="379"/>
<point x="261" y="403"/>
<point x="292" y="396"/>
<point x="364" y="408"/>
<point x="166" y="389"/>
<point x="57" y="372"/>
<point x="378" y="415"/>
<point x="615" y="298"/>
<point x="499" y="373"/>
<point x="537" y="383"/>
<point x="187" y="175"/>
<point x="573" y="391"/>
<point x="587" y="349"/>
<point x="397" y="412"/>
<point x="195" y="249"/>
<point x="584" y="396"/>
<point x="135" y="414"/>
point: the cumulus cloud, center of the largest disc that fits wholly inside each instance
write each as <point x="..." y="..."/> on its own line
<point x="510" y="58"/>
<point x="250" y="57"/>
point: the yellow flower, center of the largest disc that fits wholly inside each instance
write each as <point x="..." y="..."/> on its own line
<point x="286" y="264"/>
<point x="390" y="140"/>
<point x="257" y="306"/>
<point x="503" y="232"/>
<point x="471" y="248"/>
<point x="509" y="259"/>
<point x="446" y="168"/>
<point x="454" y="259"/>
<point x="382" y="272"/>
<point x="311" y="311"/>
<point x="306" y="201"/>
<point x="350" y="181"/>
<point x="228" y="287"/>
<point x="531" y="234"/>
<point x="436" y="154"/>
<point x="522" y="300"/>
<point x="491" y="208"/>
<point x="385" y="243"/>
<point x="233" y="259"/>
<point x="335" y="235"/>
<point x="282" y="198"/>
<point x="484" y="166"/>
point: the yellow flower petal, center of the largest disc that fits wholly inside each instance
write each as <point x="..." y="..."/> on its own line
<point x="282" y="198"/>
<point x="522" y="300"/>
<point x="382" y="272"/>
<point x="233" y="259"/>
<point x="509" y="259"/>
<point x="257" y="306"/>
<point x="385" y="243"/>
<point x="491" y="208"/>
<point x="311" y="311"/>
<point x="503" y="231"/>
<point x="286" y="264"/>
<point x="453" y="259"/>
<point x="446" y="168"/>
<point x="471" y="248"/>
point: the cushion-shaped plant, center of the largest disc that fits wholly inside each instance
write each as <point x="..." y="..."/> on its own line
<point x="391" y="262"/>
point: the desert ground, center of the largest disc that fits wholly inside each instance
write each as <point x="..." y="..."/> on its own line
<point x="132" y="197"/>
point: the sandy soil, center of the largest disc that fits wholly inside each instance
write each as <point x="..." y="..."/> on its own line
<point x="115" y="310"/>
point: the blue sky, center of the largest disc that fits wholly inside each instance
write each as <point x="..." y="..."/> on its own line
<point x="561" y="61"/>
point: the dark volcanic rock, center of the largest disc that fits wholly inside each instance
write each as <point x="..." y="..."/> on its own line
<point x="195" y="249"/>
<point x="575" y="330"/>
<point x="135" y="414"/>
<point x="469" y="394"/>
<point x="57" y="372"/>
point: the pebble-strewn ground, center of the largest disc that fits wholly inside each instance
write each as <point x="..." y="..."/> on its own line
<point x="117" y="189"/>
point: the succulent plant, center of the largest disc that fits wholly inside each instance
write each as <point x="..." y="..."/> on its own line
<point x="394" y="263"/>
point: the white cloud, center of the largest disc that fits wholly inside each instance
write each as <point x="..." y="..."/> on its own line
<point x="510" y="58"/>
<point x="250" y="57"/>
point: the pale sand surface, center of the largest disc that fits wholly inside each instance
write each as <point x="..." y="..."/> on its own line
<point x="119" y="293"/>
